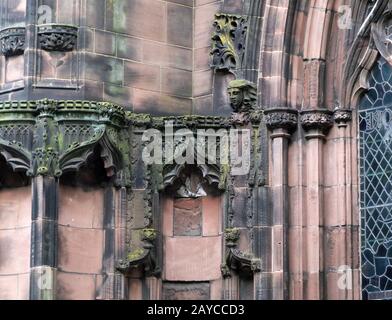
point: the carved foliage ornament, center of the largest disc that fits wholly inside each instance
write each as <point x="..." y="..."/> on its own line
<point x="57" y="37"/>
<point x="13" y="41"/>
<point x="317" y="120"/>
<point x="342" y="116"/>
<point x="281" y="119"/>
<point x="228" y="42"/>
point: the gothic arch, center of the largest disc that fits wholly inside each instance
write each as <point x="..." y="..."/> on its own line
<point x="364" y="51"/>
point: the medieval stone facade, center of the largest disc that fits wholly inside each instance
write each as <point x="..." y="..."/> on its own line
<point x="306" y="83"/>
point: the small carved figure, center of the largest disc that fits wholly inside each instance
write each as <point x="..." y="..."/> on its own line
<point x="243" y="97"/>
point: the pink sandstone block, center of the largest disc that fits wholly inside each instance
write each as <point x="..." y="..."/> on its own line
<point x="79" y="208"/>
<point x="15" y="251"/>
<point x="80" y="250"/>
<point x="9" y="287"/>
<point x="75" y="286"/>
<point x="15" y="208"/>
<point x="192" y="259"/>
<point x="212" y="214"/>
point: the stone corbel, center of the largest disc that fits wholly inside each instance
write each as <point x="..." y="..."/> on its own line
<point x="13" y="41"/>
<point x="316" y="123"/>
<point x="57" y="37"/>
<point x="237" y="260"/>
<point x="142" y="257"/>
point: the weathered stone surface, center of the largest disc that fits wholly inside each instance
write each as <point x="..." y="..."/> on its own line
<point x="102" y="68"/>
<point x="15" y="208"/>
<point x="80" y="250"/>
<point x="15" y="251"/>
<point x="187" y="218"/>
<point x="186" y="291"/>
<point x="212" y="216"/>
<point x="179" y="25"/>
<point x="129" y="48"/>
<point x="142" y="76"/>
<point x="105" y="42"/>
<point x="80" y="208"/>
<point x="192" y="259"/>
<point x="72" y="286"/>
<point x="177" y="82"/>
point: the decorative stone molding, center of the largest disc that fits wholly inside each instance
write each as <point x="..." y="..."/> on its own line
<point x="57" y="37"/>
<point x="235" y="259"/>
<point x="372" y="40"/>
<point x="142" y="257"/>
<point x="342" y="117"/>
<point x="191" y="122"/>
<point x="316" y="120"/>
<point x="382" y="34"/>
<point x="286" y="119"/>
<point x="228" y="41"/>
<point x="13" y="41"/>
<point x="49" y="138"/>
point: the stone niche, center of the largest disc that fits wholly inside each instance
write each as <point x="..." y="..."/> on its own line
<point x="192" y="232"/>
<point x="81" y="232"/>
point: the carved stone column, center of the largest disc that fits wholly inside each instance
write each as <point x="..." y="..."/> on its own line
<point x="45" y="188"/>
<point x="281" y="123"/>
<point x="339" y="225"/>
<point x="316" y="124"/>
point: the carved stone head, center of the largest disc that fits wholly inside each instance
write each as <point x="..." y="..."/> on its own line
<point x="243" y="95"/>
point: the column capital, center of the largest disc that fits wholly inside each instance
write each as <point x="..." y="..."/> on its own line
<point x="319" y="119"/>
<point x="342" y="117"/>
<point x="281" y="119"/>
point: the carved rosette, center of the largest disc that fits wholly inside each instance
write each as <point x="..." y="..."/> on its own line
<point x="228" y="41"/>
<point x="286" y="119"/>
<point x="57" y="37"/>
<point x="237" y="260"/>
<point x="13" y="41"/>
<point x="317" y="120"/>
<point x="342" y="116"/>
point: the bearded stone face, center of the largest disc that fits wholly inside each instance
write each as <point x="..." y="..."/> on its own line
<point x="236" y="98"/>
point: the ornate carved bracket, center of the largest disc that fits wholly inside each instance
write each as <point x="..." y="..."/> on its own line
<point x="49" y="137"/>
<point x="236" y="260"/>
<point x="142" y="257"/>
<point x="57" y="37"/>
<point x="286" y="119"/>
<point x="228" y="42"/>
<point x="13" y="41"/>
